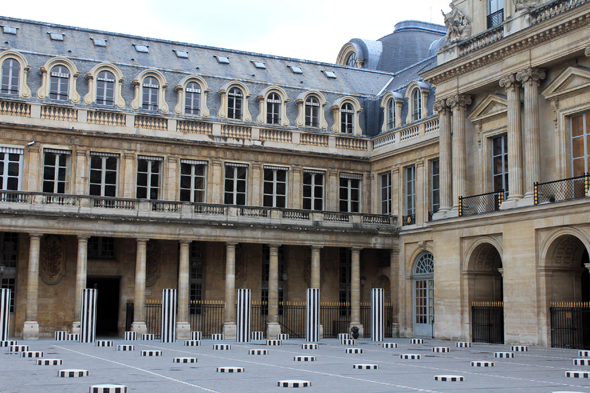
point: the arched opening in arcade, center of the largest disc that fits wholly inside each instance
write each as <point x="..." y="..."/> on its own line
<point x="423" y="294"/>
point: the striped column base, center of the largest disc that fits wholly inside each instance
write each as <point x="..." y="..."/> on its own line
<point x="482" y="363"/>
<point x="416" y="341"/>
<point x="581" y="362"/>
<point x="196" y="335"/>
<point x="72" y="373"/>
<point x="343" y="336"/>
<point x="151" y="352"/>
<point x="389" y="345"/>
<point x="309" y="346"/>
<point x="274" y="342"/>
<point x="49" y="362"/>
<point x="292" y="383"/>
<point x="130" y="336"/>
<point x="257" y="336"/>
<point x="304" y="358"/>
<point x="7" y="343"/>
<point x="231" y="369"/>
<point x="353" y="350"/>
<point x="519" y="348"/>
<point x="184" y="360"/>
<point x="108" y="388"/>
<point x="217" y="336"/>
<point x="73" y="337"/>
<point x="441" y="349"/>
<point x="410" y="356"/>
<point x="125" y="347"/>
<point x="584" y="354"/>
<point x="31" y="354"/>
<point x="347" y="341"/>
<point x="449" y="378"/>
<point x="504" y="355"/>
<point x="148" y="337"/>
<point x="18" y="348"/>
<point x="258" y="352"/>
<point x="192" y="343"/>
<point x="61" y="335"/>
<point x="283" y="336"/>
<point x="463" y="344"/>
<point x="104" y="343"/>
<point x="577" y="374"/>
<point x="221" y="347"/>
<point x="365" y="366"/>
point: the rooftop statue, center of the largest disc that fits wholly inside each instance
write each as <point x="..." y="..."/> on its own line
<point x="524" y="4"/>
<point x="458" y="26"/>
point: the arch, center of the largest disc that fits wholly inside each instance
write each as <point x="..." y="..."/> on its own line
<point x="423" y="91"/>
<point x="423" y="294"/>
<point x="262" y="107"/>
<point x="223" y="92"/>
<point x="92" y="76"/>
<point x="550" y="247"/>
<point x="23" y="89"/>
<point x="384" y="282"/>
<point x="398" y="101"/>
<point x="180" y="88"/>
<point x="300" y="101"/>
<point x="423" y="264"/>
<point x="43" y="91"/>
<point x="475" y="259"/>
<point x="337" y="108"/>
<point x="367" y="52"/>
<point x="138" y="88"/>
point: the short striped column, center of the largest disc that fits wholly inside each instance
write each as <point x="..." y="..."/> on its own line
<point x="168" y="315"/>
<point x="312" y="323"/>
<point x="257" y="336"/>
<point x="4" y="313"/>
<point x="108" y="388"/>
<point x="88" y="316"/>
<point x="61" y="335"/>
<point x="377" y="314"/>
<point x="243" y="317"/>
<point x="130" y="336"/>
<point x="196" y="335"/>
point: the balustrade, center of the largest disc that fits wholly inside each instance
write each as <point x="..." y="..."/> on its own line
<point x="59" y="113"/>
<point x="194" y="127"/>
<point x="237" y="132"/>
<point x="151" y="123"/>
<point x="13" y="108"/>
<point x="107" y="118"/>
<point x="314" y="140"/>
<point x="351" y="143"/>
<point x="276" y="136"/>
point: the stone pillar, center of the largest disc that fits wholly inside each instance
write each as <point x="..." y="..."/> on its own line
<point x="514" y="139"/>
<point x="31" y="326"/>
<point x="171" y="185"/>
<point x="216" y="180"/>
<point x="80" y="185"/>
<point x="273" y="328"/>
<point x="445" y="164"/>
<point x="332" y="191"/>
<point x="81" y="272"/>
<point x="229" y="322"/>
<point x="530" y="79"/>
<point x="138" y="324"/>
<point x="130" y="176"/>
<point x="256" y="179"/>
<point x="458" y="104"/>
<point x="183" y="327"/>
<point x="296" y="181"/>
<point x="394" y="273"/>
<point x="315" y="266"/>
<point x="355" y="290"/>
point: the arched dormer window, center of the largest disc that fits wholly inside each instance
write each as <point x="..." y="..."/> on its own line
<point x="312" y="112"/>
<point x="416" y="105"/>
<point x="273" y="106"/>
<point x="346" y="116"/>
<point x="150" y="87"/>
<point x="14" y="70"/>
<point x="391" y="114"/>
<point x="105" y="82"/>
<point x="58" y="81"/>
<point x="417" y="96"/>
<point x="234" y="102"/>
<point x="392" y="103"/>
<point x="192" y="97"/>
<point x="310" y="107"/>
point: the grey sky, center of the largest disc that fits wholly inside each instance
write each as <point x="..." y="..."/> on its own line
<point x="307" y="29"/>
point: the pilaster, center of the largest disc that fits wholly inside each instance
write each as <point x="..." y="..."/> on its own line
<point x="512" y="87"/>
<point x="458" y="103"/>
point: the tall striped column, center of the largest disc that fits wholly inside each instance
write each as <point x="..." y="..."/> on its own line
<point x="168" y="315"/>
<point x="243" y="317"/>
<point x="312" y="323"/>
<point x="88" y="316"/>
<point x="377" y="314"/>
<point x="4" y="313"/>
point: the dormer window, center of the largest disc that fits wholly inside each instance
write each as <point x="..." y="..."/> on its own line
<point x="59" y="83"/>
<point x="391" y="114"/>
<point x="259" y="64"/>
<point x="273" y="109"/>
<point x="105" y="88"/>
<point x="222" y="59"/>
<point x="346" y="118"/>
<point x="10" y="76"/>
<point x="181" y="54"/>
<point x="99" y="42"/>
<point x="234" y="103"/>
<point x="9" y="30"/>
<point x="329" y="74"/>
<point x="416" y="105"/>
<point x="312" y="112"/>
<point x="151" y="89"/>
<point x="296" y="70"/>
<point x="142" y="48"/>
<point x="192" y="99"/>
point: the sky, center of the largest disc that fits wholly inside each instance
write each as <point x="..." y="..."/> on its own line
<point x="305" y="29"/>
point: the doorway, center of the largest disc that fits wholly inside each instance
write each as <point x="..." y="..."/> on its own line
<point x="107" y="304"/>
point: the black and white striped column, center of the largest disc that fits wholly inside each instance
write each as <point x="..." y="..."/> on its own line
<point x="4" y="313"/>
<point x="168" y="315"/>
<point x="312" y="323"/>
<point x="88" y="316"/>
<point x="377" y="314"/>
<point x="243" y="317"/>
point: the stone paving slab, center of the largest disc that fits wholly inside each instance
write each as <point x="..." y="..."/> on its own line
<point x="538" y="370"/>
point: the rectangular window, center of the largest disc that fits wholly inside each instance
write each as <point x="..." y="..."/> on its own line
<point x="434" y="186"/>
<point x="350" y="193"/>
<point x="313" y="190"/>
<point x="149" y="174"/>
<point x="275" y="187"/>
<point x="103" y="174"/>
<point x="580" y="144"/>
<point x="56" y="171"/>
<point x="385" y="193"/>
<point x="235" y="184"/>
<point x="11" y="163"/>
<point x="410" y="190"/>
<point x="500" y="162"/>
<point x="101" y="248"/>
<point x="193" y="180"/>
<point x="9" y="250"/>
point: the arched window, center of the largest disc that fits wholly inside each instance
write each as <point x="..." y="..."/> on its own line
<point x="273" y="108"/>
<point x="151" y="88"/>
<point x="352" y="60"/>
<point x="346" y="118"/>
<point x="424" y="295"/>
<point x="391" y="114"/>
<point x="105" y="88"/>
<point x="192" y="99"/>
<point x="234" y="103"/>
<point x="59" y="86"/>
<point x="416" y="105"/>
<point x="312" y="112"/>
<point x="10" y="76"/>
<point x="424" y="264"/>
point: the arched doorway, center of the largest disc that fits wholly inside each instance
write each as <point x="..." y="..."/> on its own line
<point x="423" y="274"/>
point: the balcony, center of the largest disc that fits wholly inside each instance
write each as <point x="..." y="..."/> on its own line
<point x="562" y="190"/>
<point x="482" y="203"/>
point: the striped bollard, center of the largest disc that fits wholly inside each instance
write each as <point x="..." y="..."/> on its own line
<point x="377" y="314"/>
<point x="168" y="315"/>
<point x="243" y="317"/>
<point x="88" y="316"/>
<point x="4" y="313"/>
<point x="312" y="324"/>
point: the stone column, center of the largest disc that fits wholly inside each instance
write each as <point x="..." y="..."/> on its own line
<point x="81" y="272"/>
<point x="530" y="79"/>
<point x="394" y="273"/>
<point x="183" y="327"/>
<point x="514" y="139"/>
<point x="138" y="324"/>
<point x="80" y="184"/>
<point x="332" y="191"/>
<point x="216" y="181"/>
<point x="229" y="321"/>
<point x="31" y="326"/>
<point x="458" y="104"/>
<point x="296" y="183"/>
<point x="315" y="266"/>
<point x="355" y="290"/>
<point x="445" y="164"/>
<point x="273" y="328"/>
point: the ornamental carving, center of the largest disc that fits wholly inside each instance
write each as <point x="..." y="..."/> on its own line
<point x="153" y="259"/>
<point x="458" y="26"/>
<point x="524" y="5"/>
<point x="531" y="75"/>
<point x="459" y="100"/>
<point x="53" y="266"/>
<point x="509" y="82"/>
<point x="441" y="107"/>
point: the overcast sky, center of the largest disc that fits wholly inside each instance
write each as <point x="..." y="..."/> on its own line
<point x="306" y="29"/>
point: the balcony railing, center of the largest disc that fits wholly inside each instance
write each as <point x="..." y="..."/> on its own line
<point x="562" y="190"/>
<point x="407" y="132"/>
<point x="496" y="18"/>
<point x="553" y="8"/>
<point x="482" y="203"/>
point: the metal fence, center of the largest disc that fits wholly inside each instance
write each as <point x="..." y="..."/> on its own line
<point x="206" y="316"/>
<point x="570" y="325"/>
<point x="487" y="322"/>
<point x="562" y="190"/>
<point x="482" y="203"/>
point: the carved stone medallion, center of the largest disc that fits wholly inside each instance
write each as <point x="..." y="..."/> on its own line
<point x="53" y="265"/>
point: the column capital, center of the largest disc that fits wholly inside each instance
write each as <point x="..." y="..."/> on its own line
<point x="83" y="238"/>
<point x="441" y="107"/>
<point x="231" y="244"/>
<point x="358" y="249"/>
<point x="184" y="241"/>
<point x="35" y="235"/>
<point x="142" y="240"/>
<point x="317" y="246"/>
<point x="587" y="52"/>
<point x="459" y="100"/>
<point x="274" y="245"/>
<point x="531" y="75"/>
<point x="509" y="82"/>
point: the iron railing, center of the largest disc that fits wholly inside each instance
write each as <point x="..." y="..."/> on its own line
<point x="570" y="325"/>
<point x="562" y="190"/>
<point x="206" y="316"/>
<point x="496" y="18"/>
<point x="482" y="203"/>
<point x="410" y="219"/>
<point x="487" y="322"/>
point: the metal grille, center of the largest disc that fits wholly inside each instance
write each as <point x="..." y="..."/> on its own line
<point x="562" y="190"/>
<point x="570" y="325"/>
<point x="496" y="18"/>
<point x="487" y="322"/>
<point x="206" y="316"/>
<point x="483" y="203"/>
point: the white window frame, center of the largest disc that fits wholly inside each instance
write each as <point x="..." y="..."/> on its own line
<point x="192" y="99"/>
<point x="235" y="103"/>
<point x="347" y="118"/>
<point x="235" y="180"/>
<point x="385" y="188"/>
<point x="313" y="189"/>
<point x="104" y="85"/>
<point x="8" y="161"/>
<point x="62" y="83"/>
<point x="503" y="156"/>
<point x="410" y="182"/>
<point x="103" y="171"/>
<point x="56" y="166"/>
<point x="151" y="94"/>
<point x="416" y="104"/>
<point x="10" y="82"/>
<point x="274" y="183"/>
<point x="192" y="178"/>
<point x="434" y="180"/>
<point x="273" y="108"/>
<point x="149" y="174"/>
<point x="312" y="119"/>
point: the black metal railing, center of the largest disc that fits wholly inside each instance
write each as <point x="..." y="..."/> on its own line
<point x="409" y="219"/>
<point x="570" y="325"/>
<point x="562" y="190"/>
<point x="487" y="322"/>
<point x="128" y="316"/>
<point x="206" y="316"/>
<point x="496" y="18"/>
<point x="482" y="203"/>
<point x="153" y="317"/>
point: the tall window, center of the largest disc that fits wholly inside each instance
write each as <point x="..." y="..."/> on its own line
<point x="149" y="173"/>
<point x="10" y="77"/>
<point x="410" y="191"/>
<point x="103" y="174"/>
<point x="59" y="83"/>
<point x="105" y="88"/>
<point x="495" y="13"/>
<point x="346" y="118"/>
<point x="391" y="114"/>
<point x="151" y="88"/>
<point x="56" y="171"/>
<point x="500" y="162"/>
<point x="273" y="109"/>
<point x="193" y="175"/>
<point x="434" y="186"/>
<point x="266" y="275"/>
<point x="235" y="99"/>
<point x="350" y="193"/>
<point x="312" y="112"/>
<point x="101" y="248"/>
<point x="416" y="105"/>
<point x="313" y="190"/>
<point x="9" y="255"/>
<point x="275" y="187"/>
<point x="235" y="184"/>
<point x="196" y="262"/>
<point x="192" y="99"/>
<point x="345" y="278"/>
<point x="385" y="193"/>
<point x="11" y="163"/>
<point x="424" y="294"/>
<point x="580" y="144"/>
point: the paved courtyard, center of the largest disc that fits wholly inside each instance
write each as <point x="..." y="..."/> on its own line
<point x="538" y="370"/>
